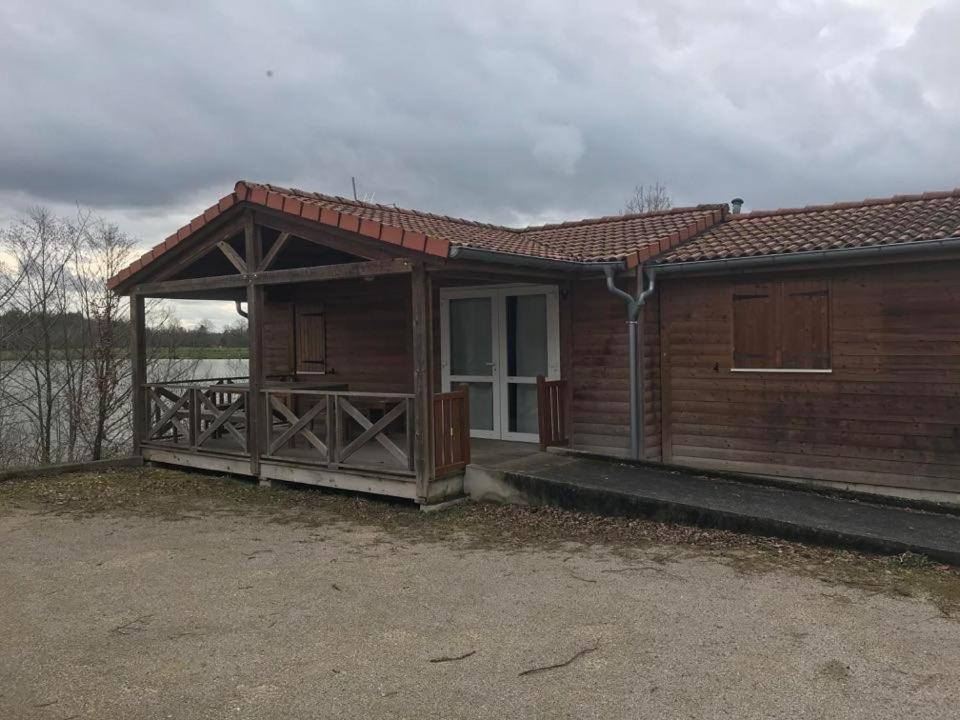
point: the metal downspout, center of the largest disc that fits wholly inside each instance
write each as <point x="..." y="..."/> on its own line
<point x="634" y="305"/>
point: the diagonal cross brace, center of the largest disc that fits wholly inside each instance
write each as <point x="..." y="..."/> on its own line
<point x="374" y="431"/>
<point x="169" y="414"/>
<point x="298" y="426"/>
<point x="222" y="420"/>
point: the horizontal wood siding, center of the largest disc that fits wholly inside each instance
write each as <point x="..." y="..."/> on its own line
<point x="887" y="414"/>
<point x="599" y="370"/>
<point x="278" y="339"/>
<point x="368" y="332"/>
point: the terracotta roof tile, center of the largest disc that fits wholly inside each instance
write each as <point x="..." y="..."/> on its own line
<point x="630" y="238"/>
<point x="884" y="221"/>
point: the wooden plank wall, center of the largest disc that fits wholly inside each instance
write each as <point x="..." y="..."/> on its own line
<point x="278" y="339"/>
<point x="368" y="339"/>
<point x="888" y="414"/>
<point x="599" y="371"/>
<point x="368" y="332"/>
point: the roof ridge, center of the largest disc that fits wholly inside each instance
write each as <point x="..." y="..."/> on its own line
<point x="622" y="218"/>
<point x="847" y="205"/>
<point x="307" y="195"/>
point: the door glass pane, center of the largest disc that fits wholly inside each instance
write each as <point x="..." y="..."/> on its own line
<point x="523" y="408"/>
<point x="481" y="406"/>
<point x="471" y="343"/>
<point x="526" y="335"/>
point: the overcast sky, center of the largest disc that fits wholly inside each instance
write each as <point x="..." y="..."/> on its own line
<point x="513" y="112"/>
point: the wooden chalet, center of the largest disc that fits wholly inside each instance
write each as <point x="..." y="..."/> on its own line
<point x="387" y="345"/>
<point x="820" y="343"/>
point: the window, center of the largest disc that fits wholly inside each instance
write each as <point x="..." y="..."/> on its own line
<point x="781" y="325"/>
<point x="311" y="343"/>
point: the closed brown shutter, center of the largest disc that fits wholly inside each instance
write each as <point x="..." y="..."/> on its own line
<point x="311" y="341"/>
<point x="805" y="325"/>
<point x="278" y="339"/>
<point x="754" y="339"/>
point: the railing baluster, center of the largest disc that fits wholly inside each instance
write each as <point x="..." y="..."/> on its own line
<point x="330" y="402"/>
<point x="337" y="447"/>
<point x="194" y="417"/>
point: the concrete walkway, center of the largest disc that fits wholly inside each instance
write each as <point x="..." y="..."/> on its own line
<point x="610" y="487"/>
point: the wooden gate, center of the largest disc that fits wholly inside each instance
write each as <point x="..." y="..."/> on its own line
<point x="451" y="431"/>
<point x="552" y="412"/>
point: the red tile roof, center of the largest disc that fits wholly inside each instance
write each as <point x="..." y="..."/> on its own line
<point x="629" y="238"/>
<point x="889" y="221"/>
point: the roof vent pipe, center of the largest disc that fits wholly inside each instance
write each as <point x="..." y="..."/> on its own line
<point x="634" y="305"/>
<point x="737" y="204"/>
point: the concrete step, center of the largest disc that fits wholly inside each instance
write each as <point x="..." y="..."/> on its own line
<point x="616" y="488"/>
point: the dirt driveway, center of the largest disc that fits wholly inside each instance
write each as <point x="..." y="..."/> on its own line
<point x="161" y="595"/>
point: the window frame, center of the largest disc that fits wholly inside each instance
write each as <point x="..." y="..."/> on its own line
<point x="777" y="285"/>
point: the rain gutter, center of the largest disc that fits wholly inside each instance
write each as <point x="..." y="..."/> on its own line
<point x="806" y="256"/>
<point x="635" y="348"/>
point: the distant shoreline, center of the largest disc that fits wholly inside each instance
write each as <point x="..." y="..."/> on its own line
<point x="183" y="353"/>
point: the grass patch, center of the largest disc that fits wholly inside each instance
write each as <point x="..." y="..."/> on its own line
<point x="178" y="496"/>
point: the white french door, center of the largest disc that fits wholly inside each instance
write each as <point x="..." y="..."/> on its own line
<point x="497" y="340"/>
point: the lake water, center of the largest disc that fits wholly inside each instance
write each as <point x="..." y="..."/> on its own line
<point x="18" y="400"/>
<point x="196" y="369"/>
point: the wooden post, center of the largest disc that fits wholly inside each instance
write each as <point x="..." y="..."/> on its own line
<point x="255" y="418"/>
<point x="423" y="438"/>
<point x="138" y="363"/>
<point x="567" y="299"/>
<point x="464" y="428"/>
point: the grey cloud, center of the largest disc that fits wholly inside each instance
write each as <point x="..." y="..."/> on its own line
<point x="495" y="110"/>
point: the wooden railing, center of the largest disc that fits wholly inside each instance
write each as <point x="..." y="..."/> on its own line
<point x="451" y="431"/>
<point x="340" y="429"/>
<point x="332" y="429"/>
<point x="208" y="417"/>
<point x="227" y="380"/>
<point x="552" y="412"/>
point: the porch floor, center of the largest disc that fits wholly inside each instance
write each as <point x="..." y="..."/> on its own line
<point x="226" y="454"/>
<point x="372" y="457"/>
<point x="501" y="454"/>
<point x="494" y="454"/>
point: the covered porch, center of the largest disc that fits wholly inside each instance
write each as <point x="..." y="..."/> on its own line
<point x="351" y="382"/>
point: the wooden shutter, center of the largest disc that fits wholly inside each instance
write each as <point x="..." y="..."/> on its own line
<point x="278" y="357"/>
<point x="754" y="340"/>
<point x="311" y="340"/>
<point x="805" y="324"/>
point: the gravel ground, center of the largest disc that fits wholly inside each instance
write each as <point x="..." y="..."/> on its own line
<point x="162" y="595"/>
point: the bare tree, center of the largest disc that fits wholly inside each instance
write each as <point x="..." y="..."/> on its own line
<point x="103" y="252"/>
<point x="648" y="198"/>
<point x="42" y="249"/>
<point x="65" y="374"/>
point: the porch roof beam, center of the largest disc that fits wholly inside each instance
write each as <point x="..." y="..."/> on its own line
<point x="238" y="262"/>
<point x="319" y="273"/>
<point x="274" y="251"/>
